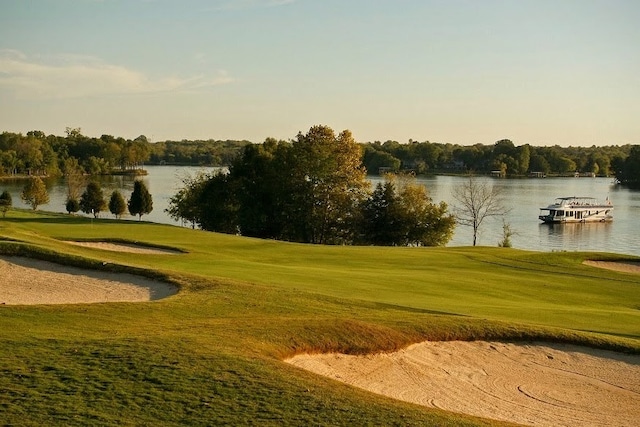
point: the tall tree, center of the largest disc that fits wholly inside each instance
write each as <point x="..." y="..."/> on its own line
<point x="141" y="202"/>
<point x="117" y="205"/>
<point x="92" y="200"/>
<point x="260" y="177"/>
<point x="329" y="183"/>
<point x="35" y="193"/>
<point x="477" y="202"/>
<point x="381" y="222"/>
<point x="5" y="202"/>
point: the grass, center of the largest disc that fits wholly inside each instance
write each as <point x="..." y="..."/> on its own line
<point x="212" y="354"/>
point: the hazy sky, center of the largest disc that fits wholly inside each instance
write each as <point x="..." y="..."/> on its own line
<point x="461" y="71"/>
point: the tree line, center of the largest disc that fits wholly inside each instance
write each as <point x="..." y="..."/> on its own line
<point x="503" y="157"/>
<point x="37" y="154"/>
<point x="92" y="201"/>
<point x="48" y="155"/>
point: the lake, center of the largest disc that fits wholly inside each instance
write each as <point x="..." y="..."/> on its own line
<point x="523" y="199"/>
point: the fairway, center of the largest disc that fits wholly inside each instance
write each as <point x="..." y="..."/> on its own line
<point x="213" y="352"/>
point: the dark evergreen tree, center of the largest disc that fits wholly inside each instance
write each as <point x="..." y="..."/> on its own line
<point x="72" y="205"/>
<point x="5" y="202"/>
<point x="381" y="223"/>
<point x="141" y="202"/>
<point x="92" y="200"/>
<point x="117" y="205"/>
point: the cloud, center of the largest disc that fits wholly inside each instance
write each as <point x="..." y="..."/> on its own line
<point x="74" y="76"/>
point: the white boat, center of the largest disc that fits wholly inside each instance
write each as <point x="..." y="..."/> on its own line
<point x="576" y="209"/>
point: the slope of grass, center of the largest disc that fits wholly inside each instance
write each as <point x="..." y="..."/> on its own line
<point x="212" y="354"/>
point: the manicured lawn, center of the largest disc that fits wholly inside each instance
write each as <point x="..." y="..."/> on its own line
<point x="212" y="354"/>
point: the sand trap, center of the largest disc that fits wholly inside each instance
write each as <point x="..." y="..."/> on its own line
<point x="124" y="247"/>
<point x="29" y="281"/>
<point x="537" y="384"/>
<point x="626" y="267"/>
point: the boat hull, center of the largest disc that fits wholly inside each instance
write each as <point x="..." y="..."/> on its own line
<point x="578" y="210"/>
<point x="554" y="220"/>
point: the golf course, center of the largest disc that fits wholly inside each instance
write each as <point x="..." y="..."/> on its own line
<point x="218" y="320"/>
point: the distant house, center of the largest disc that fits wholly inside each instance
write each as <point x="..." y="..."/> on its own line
<point x="537" y="175"/>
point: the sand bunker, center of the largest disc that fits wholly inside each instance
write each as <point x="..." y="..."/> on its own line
<point x="29" y="281"/>
<point x="124" y="247"/>
<point x="537" y="384"/>
<point x="626" y="267"/>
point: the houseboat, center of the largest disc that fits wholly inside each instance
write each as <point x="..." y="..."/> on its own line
<point x="576" y="209"/>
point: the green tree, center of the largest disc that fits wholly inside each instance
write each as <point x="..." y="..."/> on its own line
<point x="72" y="205"/>
<point x="117" y="205"/>
<point x="523" y="158"/>
<point x="5" y="202"/>
<point x="261" y="191"/>
<point x="426" y="223"/>
<point x="629" y="170"/>
<point x="328" y="184"/>
<point x="185" y="204"/>
<point x="92" y="200"/>
<point x="381" y="222"/>
<point x="377" y="161"/>
<point x="539" y="164"/>
<point x="141" y="202"/>
<point x="35" y="193"/>
<point x="400" y="212"/>
<point x="477" y="201"/>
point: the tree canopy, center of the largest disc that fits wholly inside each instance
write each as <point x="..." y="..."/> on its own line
<point x="35" y="193"/>
<point x="400" y="212"/>
<point x="92" y="200"/>
<point x="117" y="205"/>
<point x="313" y="189"/>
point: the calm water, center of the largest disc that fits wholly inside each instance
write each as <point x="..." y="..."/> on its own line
<point x="524" y="198"/>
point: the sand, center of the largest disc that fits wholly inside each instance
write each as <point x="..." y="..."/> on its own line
<point x="531" y="384"/>
<point x="29" y="281"/>
<point x="124" y="247"/>
<point x="626" y="267"/>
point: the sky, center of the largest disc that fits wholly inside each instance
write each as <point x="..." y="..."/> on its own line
<point x="539" y="72"/>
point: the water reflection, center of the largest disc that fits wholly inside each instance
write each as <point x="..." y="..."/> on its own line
<point x="578" y="236"/>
